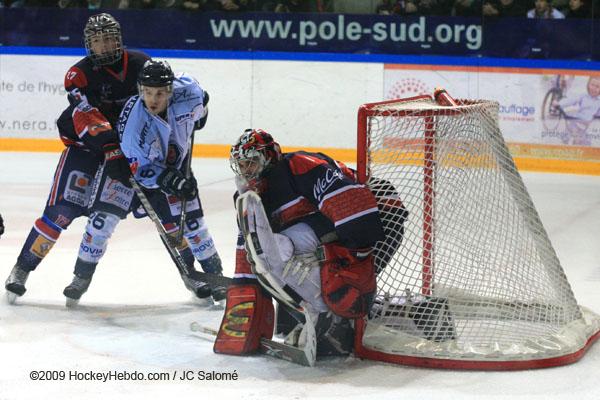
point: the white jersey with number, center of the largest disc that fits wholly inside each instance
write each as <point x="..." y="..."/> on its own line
<point x="150" y="143"/>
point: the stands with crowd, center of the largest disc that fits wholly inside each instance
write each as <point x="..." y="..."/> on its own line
<point x="551" y="9"/>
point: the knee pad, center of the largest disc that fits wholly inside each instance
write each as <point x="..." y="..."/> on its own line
<point x="199" y="239"/>
<point x="99" y="229"/>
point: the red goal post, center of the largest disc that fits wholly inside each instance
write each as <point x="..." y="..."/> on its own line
<point x="473" y="282"/>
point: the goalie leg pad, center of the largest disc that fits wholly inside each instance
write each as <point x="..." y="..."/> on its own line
<point x="348" y="281"/>
<point x="269" y="254"/>
<point x="249" y="316"/>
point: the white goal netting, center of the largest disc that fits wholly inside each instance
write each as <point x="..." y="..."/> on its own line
<point x="470" y="275"/>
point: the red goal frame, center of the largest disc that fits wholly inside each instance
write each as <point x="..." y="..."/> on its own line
<point x="374" y="109"/>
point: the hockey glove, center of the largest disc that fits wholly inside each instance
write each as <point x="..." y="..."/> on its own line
<point x="202" y="121"/>
<point x="1" y="226"/>
<point x="89" y="123"/>
<point x="348" y="280"/>
<point x="172" y="181"/>
<point x="115" y="164"/>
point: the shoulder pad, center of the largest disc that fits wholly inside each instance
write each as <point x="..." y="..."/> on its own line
<point x="75" y="78"/>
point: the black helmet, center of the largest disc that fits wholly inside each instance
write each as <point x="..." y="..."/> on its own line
<point x="156" y="74"/>
<point x="103" y="26"/>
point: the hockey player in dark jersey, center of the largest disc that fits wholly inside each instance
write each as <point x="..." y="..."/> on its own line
<point x="312" y="229"/>
<point x="97" y="87"/>
<point x="156" y="129"/>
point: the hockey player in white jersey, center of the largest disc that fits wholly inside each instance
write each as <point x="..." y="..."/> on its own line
<point x="155" y="129"/>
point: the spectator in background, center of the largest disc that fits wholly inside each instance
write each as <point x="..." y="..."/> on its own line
<point x="293" y="6"/>
<point x="419" y="7"/>
<point x="12" y="3"/>
<point x="504" y="8"/>
<point x="236" y="5"/>
<point x="192" y="5"/>
<point x="430" y="7"/>
<point x="34" y="3"/>
<point x="146" y="4"/>
<point x="578" y="9"/>
<point x="466" y="8"/>
<point x="544" y="10"/>
<point x="389" y="7"/>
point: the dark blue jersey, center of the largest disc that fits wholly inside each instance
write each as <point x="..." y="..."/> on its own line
<point x="106" y="88"/>
<point x="324" y="193"/>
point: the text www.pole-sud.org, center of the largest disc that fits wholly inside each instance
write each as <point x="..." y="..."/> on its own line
<point x="309" y="33"/>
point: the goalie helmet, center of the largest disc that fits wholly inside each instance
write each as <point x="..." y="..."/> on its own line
<point x="103" y="30"/>
<point x="253" y="154"/>
<point x="156" y="74"/>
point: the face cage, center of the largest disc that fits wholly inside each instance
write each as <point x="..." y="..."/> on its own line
<point x="109" y="57"/>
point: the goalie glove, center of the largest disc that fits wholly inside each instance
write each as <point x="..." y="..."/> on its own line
<point x="249" y="316"/>
<point x="348" y="281"/>
<point x="172" y="181"/>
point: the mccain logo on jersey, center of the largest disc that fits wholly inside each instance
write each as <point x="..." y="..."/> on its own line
<point x="324" y="183"/>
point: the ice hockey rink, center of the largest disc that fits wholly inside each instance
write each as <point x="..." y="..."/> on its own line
<point x="136" y="316"/>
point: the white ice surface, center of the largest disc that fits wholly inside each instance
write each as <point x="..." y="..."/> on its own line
<point x="136" y="315"/>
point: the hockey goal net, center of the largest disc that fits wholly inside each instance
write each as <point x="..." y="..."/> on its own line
<point x="470" y="279"/>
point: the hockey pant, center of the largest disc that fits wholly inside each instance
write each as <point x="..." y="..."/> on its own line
<point x="68" y="199"/>
<point x="112" y="201"/>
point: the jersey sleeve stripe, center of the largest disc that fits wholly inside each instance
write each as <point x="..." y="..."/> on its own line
<point x="355" y="216"/>
<point x="288" y="204"/>
<point x="337" y="193"/>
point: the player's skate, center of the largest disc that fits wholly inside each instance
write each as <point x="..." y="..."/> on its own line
<point x="212" y="265"/>
<point x="15" y="284"/>
<point x="76" y="289"/>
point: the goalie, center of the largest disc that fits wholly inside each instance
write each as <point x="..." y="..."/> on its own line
<point x="307" y="231"/>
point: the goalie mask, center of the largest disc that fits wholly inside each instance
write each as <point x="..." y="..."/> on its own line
<point x="103" y="41"/>
<point x="253" y="154"/>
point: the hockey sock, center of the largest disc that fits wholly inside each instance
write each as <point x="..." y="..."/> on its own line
<point x="41" y="238"/>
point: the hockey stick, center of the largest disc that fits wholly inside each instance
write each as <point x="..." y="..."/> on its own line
<point x="270" y="348"/>
<point x="211" y="279"/>
<point x="188" y="168"/>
